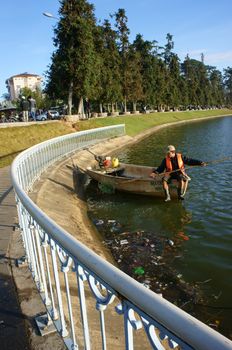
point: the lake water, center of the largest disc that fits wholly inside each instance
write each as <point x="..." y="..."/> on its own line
<point x="200" y="227"/>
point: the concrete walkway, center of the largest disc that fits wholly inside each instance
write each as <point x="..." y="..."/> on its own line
<point x="18" y="124"/>
<point x="12" y="321"/>
<point x="20" y="302"/>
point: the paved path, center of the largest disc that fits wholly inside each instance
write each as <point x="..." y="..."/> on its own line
<point x="13" y="125"/>
<point x="12" y="321"/>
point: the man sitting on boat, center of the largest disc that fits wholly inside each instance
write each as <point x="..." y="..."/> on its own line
<point x="172" y="167"/>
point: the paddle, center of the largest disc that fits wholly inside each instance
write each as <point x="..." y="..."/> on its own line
<point x="99" y="159"/>
<point x="176" y="170"/>
<point x="193" y="166"/>
<point x="134" y="179"/>
<point x="88" y="150"/>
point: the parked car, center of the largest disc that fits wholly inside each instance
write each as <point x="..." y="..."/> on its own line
<point x="53" y="114"/>
<point x="41" y="117"/>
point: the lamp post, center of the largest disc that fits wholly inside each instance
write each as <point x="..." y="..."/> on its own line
<point x="70" y="93"/>
<point x="50" y="15"/>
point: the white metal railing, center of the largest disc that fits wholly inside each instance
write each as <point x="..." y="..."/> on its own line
<point x="76" y="284"/>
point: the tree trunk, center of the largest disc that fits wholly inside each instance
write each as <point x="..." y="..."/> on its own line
<point x="112" y="107"/>
<point x="134" y="106"/>
<point x="81" y="111"/>
<point x="100" y="108"/>
<point x="70" y="96"/>
<point x="125" y="109"/>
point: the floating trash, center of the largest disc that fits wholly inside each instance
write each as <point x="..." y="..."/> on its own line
<point x="111" y="221"/>
<point x="116" y="228"/>
<point x="182" y="236"/>
<point x="139" y="270"/>
<point x="215" y="324"/>
<point x="124" y="241"/>
<point x="170" y="242"/>
<point x="148" y="257"/>
<point x="98" y="222"/>
<point x="147" y="283"/>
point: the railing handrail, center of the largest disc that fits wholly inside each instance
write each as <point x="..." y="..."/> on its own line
<point x="193" y="332"/>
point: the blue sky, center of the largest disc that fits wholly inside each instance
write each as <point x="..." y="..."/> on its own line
<point x="196" y="25"/>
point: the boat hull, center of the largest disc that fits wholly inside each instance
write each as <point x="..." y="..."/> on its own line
<point x="132" y="179"/>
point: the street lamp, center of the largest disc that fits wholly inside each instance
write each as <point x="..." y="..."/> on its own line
<point x="50" y="15"/>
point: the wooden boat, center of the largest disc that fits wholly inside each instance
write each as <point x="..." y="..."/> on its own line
<point x="131" y="178"/>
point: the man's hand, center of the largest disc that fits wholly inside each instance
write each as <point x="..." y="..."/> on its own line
<point x="203" y="163"/>
<point x="153" y="174"/>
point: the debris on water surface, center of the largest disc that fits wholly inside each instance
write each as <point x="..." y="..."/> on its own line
<point x="182" y="236"/>
<point x="146" y="283"/>
<point x="139" y="270"/>
<point x="215" y="324"/>
<point x="124" y="241"/>
<point x="206" y="281"/>
<point x="170" y="242"/>
<point x="111" y="221"/>
<point x="217" y="296"/>
<point x="98" y="222"/>
<point x="116" y="228"/>
<point x="108" y="227"/>
<point x="148" y="257"/>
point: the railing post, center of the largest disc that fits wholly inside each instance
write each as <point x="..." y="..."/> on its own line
<point x="54" y="310"/>
<point x="64" y="332"/>
<point x="81" y="277"/>
<point x="65" y="270"/>
<point x="101" y="308"/>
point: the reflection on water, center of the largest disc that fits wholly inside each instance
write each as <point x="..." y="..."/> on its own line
<point x="200" y="226"/>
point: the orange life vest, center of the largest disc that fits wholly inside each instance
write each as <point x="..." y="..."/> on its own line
<point x="179" y="161"/>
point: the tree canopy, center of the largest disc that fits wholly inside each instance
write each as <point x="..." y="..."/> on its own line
<point x="96" y="62"/>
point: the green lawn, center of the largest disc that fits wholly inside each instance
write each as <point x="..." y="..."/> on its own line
<point x="138" y="123"/>
<point x="15" y="139"/>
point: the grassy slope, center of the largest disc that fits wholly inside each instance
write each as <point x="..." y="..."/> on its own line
<point x="138" y="123"/>
<point x="15" y="139"/>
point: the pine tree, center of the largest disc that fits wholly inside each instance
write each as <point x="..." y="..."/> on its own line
<point x="174" y="82"/>
<point x="74" y="40"/>
<point x="150" y="70"/>
<point x="216" y="83"/>
<point x="228" y="85"/>
<point x="134" y="78"/>
<point x="123" y="46"/>
<point x="111" y="90"/>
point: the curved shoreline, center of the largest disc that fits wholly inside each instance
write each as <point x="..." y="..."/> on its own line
<point x="65" y="207"/>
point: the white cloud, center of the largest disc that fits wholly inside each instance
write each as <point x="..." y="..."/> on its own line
<point x="219" y="57"/>
<point x="197" y="52"/>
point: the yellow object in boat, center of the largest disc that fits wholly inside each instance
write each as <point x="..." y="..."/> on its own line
<point x="115" y="162"/>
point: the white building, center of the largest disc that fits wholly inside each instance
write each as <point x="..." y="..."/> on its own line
<point x="17" y="82"/>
